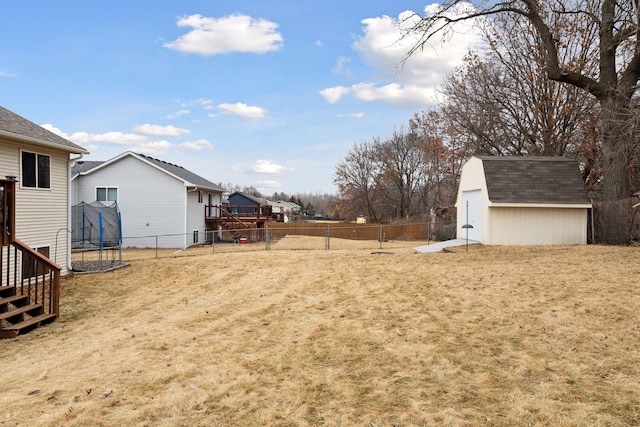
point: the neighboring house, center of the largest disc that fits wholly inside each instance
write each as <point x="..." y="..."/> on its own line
<point x="40" y="161"/>
<point x="245" y="203"/>
<point x="522" y="201"/>
<point x="155" y="198"/>
<point x="284" y="211"/>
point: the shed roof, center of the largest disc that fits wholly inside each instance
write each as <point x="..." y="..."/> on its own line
<point x="18" y="127"/>
<point x="533" y="179"/>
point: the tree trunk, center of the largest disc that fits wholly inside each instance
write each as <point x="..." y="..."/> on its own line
<point x="617" y="142"/>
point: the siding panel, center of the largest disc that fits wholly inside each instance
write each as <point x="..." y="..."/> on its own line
<point x="42" y="215"/>
<point x="537" y="226"/>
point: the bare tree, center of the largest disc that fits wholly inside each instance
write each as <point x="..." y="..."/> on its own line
<point x="356" y="177"/>
<point x="613" y="84"/>
<point x="444" y="149"/>
<point x="403" y="172"/>
<point x="503" y="97"/>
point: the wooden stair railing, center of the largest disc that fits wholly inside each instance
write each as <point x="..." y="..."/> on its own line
<point x="29" y="289"/>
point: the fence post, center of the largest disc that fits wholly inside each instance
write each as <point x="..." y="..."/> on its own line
<point x="327" y="245"/>
<point x="156" y="246"/>
<point x="267" y="242"/>
<point x="380" y="236"/>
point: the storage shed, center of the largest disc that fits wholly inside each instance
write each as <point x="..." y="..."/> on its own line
<point x="522" y="201"/>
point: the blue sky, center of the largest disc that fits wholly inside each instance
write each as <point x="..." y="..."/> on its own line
<point x="268" y="93"/>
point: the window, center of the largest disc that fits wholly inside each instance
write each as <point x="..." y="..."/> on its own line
<point x="195" y="236"/>
<point x="107" y="194"/>
<point x="199" y="196"/>
<point x="36" y="170"/>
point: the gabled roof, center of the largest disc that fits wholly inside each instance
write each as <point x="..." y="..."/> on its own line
<point x="544" y="180"/>
<point x="256" y="200"/>
<point x="18" y="128"/>
<point x="81" y="166"/>
<point x="189" y="178"/>
<point x="289" y="205"/>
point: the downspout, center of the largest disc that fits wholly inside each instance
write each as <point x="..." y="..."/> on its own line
<point x="69" y="226"/>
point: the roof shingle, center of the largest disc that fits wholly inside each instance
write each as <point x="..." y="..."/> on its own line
<point x="547" y="180"/>
<point x="12" y="123"/>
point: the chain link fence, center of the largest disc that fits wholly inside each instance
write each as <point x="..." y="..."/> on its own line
<point x="279" y="236"/>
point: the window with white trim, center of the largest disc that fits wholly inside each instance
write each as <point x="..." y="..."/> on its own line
<point x="36" y="170"/>
<point x="107" y="194"/>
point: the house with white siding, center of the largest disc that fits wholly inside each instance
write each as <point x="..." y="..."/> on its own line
<point x="40" y="161"/>
<point x="522" y="201"/>
<point x="161" y="204"/>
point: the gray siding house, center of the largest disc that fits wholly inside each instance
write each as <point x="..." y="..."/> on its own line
<point x="155" y="198"/>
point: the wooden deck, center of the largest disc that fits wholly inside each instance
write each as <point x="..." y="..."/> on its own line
<point x="237" y="217"/>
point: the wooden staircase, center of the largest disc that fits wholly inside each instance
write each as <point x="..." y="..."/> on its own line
<point x="18" y="315"/>
<point x="29" y="281"/>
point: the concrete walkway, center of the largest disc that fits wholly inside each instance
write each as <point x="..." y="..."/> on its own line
<point x="438" y="247"/>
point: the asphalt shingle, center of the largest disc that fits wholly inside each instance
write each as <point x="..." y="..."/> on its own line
<point x="547" y="180"/>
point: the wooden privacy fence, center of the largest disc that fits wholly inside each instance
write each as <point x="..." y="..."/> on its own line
<point x="408" y="231"/>
<point x="375" y="232"/>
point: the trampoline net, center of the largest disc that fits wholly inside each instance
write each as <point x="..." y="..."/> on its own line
<point x="86" y="219"/>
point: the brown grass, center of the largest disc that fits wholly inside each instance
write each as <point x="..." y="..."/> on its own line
<point x="494" y="336"/>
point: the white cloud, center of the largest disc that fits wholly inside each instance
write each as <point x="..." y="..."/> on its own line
<point x="243" y="110"/>
<point x="385" y="44"/>
<point x="394" y="93"/>
<point x="233" y="33"/>
<point x="334" y="94"/>
<point x="5" y="73"/>
<point x="320" y="43"/>
<point x="237" y="167"/>
<point x="116" y="138"/>
<point x="197" y="145"/>
<point x="268" y="167"/>
<point x="268" y="184"/>
<point x="153" y="148"/>
<point x="352" y="115"/>
<point x="204" y="102"/>
<point x="341" y="68"/>
<point x="178" y="114"/>
<point x="157" y="130"/>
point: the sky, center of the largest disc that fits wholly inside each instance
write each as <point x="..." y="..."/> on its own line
<point x="265" y="93"/>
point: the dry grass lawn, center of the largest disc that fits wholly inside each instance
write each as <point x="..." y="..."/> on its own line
<point x="496" y="336"/>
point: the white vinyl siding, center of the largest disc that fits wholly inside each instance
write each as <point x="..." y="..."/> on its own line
<point x="196" y="212"/>
<point x="515" y="223"/>
<point x="150" y="201"/>
<point x="42" y="215"/>
<point x="537" y="226"/>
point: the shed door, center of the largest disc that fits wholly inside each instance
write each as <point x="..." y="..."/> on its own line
<point x="471" y="213"/>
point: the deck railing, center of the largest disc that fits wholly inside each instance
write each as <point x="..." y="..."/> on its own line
<point x="32" y="274"/>
<point x="234" y="213"/>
